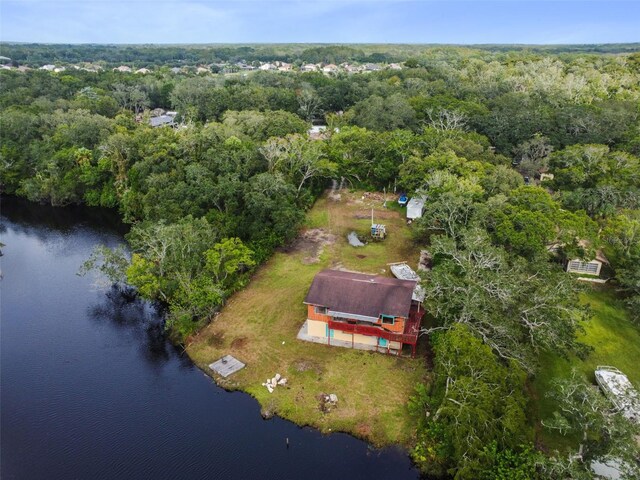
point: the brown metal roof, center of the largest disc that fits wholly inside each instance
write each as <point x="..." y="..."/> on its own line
<point x="361" y="294"/>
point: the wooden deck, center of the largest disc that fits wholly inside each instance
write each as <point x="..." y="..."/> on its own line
<point x="408" y="336"/>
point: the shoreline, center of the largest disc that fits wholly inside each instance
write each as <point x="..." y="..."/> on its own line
<point x="259" y="325"/>
<point x="219" y="382"/>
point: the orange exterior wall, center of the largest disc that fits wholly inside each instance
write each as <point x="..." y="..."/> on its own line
<point x="397" y="327"/>
<point x="312" y="315"/>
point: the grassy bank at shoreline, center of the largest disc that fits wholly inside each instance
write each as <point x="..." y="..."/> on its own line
<point x="259" y="327"/>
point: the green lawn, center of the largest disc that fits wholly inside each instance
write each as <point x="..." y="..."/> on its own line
<point x="260" y="323"/>
<point x="615" y="341"/>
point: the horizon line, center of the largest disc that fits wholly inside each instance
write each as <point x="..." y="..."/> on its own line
<point x="22" y="42"/>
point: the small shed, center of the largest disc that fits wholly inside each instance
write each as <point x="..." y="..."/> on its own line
<point x="592" y="267"/>
<point x="414" y="208"/>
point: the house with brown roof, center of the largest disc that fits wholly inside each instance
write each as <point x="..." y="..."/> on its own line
<point x="366" y="312"/>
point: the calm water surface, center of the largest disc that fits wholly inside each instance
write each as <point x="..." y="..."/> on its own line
<point x="91" y="389"/>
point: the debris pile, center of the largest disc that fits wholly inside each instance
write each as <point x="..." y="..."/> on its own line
<point x="377" y="196"/>
<point x="272" y="383"/>
<point x="426" y="260"/>
<point x="354" y="241"/>
<point x="328" y="401"/>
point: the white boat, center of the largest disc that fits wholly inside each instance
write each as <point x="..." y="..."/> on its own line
<point x="617" y="387"/>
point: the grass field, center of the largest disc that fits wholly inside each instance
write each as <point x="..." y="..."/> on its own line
<point x="259" y="326"/>
<point x="615" y="341"/>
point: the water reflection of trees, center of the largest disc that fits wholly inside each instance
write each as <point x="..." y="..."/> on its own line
<point x="32" y="216"/>
<point x="41" y="221"/>
<point x="54" y="226"/>
<point x="122" y="309"/>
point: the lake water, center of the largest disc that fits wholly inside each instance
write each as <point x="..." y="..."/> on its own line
<point x="91" y="389"/>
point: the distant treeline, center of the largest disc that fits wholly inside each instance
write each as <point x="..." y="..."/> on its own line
<point x="176" y="55"/>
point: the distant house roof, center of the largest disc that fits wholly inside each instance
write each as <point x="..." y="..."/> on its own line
<point x="361" y="294"/>
<point x="161" y="120"/>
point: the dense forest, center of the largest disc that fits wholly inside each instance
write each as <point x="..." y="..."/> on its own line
<point x="472" y="129"/>
<point x="174" y="55"/>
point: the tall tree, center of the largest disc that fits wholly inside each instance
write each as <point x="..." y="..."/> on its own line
<point x="517" y="308"/>
<point x="474" y="400"/>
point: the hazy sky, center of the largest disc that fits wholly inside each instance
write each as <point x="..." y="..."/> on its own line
<point x="344" y="21"/>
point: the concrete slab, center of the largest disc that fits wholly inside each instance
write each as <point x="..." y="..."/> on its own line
<point x="226" y="366"/>
<point x="593" y="280"/>
<point x="303" y="334"/>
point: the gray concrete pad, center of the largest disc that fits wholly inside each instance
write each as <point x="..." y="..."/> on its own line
<point x="226" y="366"/>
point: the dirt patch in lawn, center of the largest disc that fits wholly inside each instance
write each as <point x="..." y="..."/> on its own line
<point x="239" y="343"/>
<point x="362" y="214"/>
<point x="216" y="340"/>
<point x="305" y="365"/>
<point x="363" y="430"/>
<point x="311" y="244"/>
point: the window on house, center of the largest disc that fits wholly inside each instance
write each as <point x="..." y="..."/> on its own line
<point x="388" y="320"/>
<point x="321" y="310"/>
